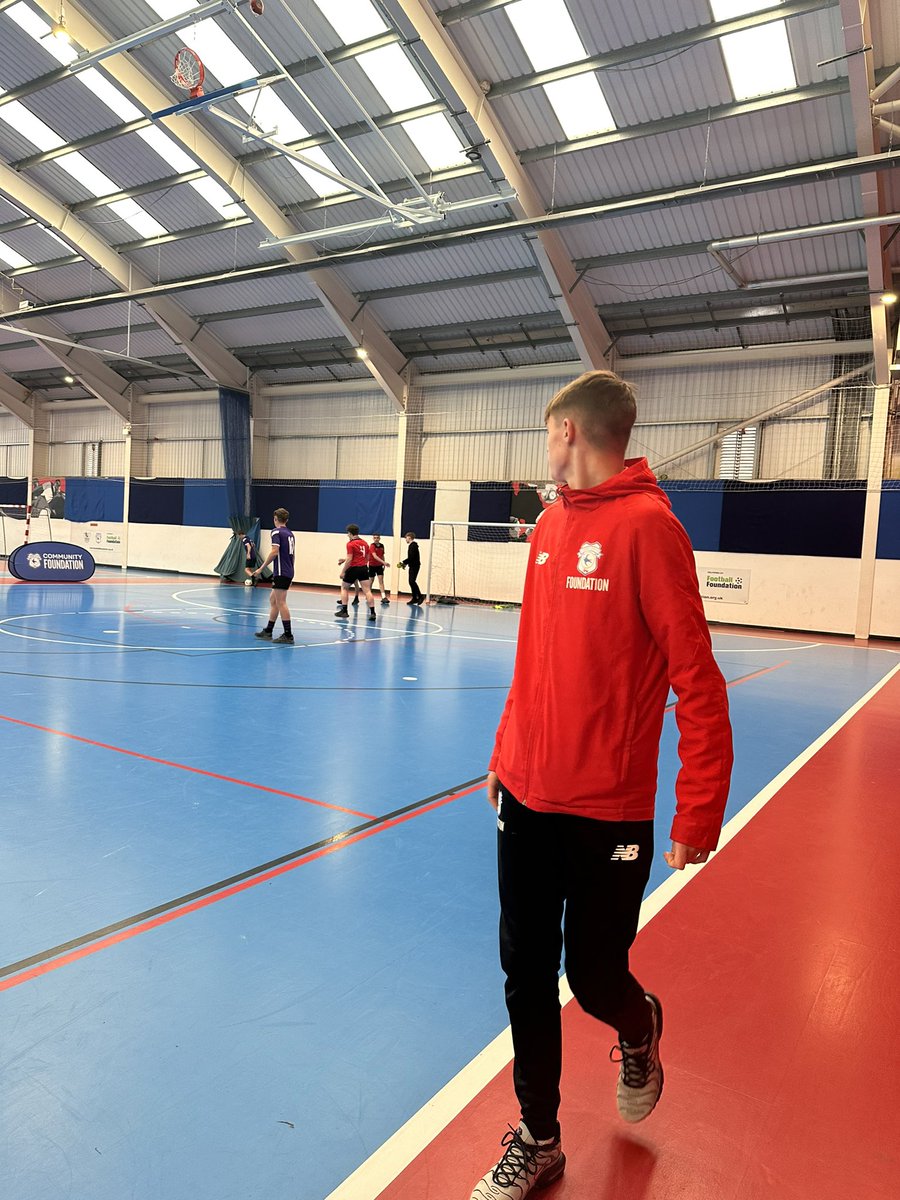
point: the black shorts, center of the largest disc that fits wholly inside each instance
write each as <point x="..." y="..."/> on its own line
<point x="282" y="582"/>
<point x="356" y="575"/>
<point x="373" y="571"/>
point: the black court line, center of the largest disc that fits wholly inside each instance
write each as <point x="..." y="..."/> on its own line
<point x="117" y="926"/>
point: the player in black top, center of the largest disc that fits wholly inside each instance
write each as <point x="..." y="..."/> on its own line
<point x="414" y="562"/>
<point x="377" y="565"/>
<point x="282" y="555"/>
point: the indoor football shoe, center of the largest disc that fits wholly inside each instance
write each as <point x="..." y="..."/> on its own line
<point x="640" y="1071"/>
<point x="265" y="634"/>
<point x="287" y="638"/>
<point x="526" y="1165"/>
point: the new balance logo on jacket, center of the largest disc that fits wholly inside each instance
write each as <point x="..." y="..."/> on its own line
<point x="624" y="854"/>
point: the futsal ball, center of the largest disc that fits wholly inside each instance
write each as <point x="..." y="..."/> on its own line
<point x="248" y="583"/>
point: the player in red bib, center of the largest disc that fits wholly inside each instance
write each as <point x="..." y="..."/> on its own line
<point x="355" y="569"/>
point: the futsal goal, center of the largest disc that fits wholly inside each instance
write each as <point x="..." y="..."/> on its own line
<point x="477" y="562"/>
<point x="13" y="525"/>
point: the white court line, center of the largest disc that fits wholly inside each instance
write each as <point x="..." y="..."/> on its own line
<point x="380" y="1170"/>
<point x="328" y="622"/>
<point x="88" y="643"/>
<point x="785" y="648"/>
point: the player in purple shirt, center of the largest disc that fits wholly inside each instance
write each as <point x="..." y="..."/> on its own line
<point x="282" y="556"/>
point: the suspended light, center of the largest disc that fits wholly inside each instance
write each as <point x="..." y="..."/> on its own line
<point x="59" y="29"/>
<point x="889" y="298"/>
<point x="68" y="378"/>
<point x="362" y="352"/>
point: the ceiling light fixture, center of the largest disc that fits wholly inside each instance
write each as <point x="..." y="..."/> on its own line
<point x="362" y="352"/>
<point x="889" y="298"/>
<point x="59" y="29"/>
<point x="68" y="378"/>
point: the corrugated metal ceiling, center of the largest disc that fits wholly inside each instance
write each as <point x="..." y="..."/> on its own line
<point x="667" y="86"/>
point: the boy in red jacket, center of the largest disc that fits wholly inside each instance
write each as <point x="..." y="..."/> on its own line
<point x="611" y="618"/>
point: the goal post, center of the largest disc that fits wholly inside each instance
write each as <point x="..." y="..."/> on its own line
<point x="477" y="562"/>
<point x="19" y="525"/>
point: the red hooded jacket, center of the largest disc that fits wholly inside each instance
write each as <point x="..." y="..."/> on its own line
<point x="611" y="617"/>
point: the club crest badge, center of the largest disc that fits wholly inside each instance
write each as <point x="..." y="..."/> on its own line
<point x="589" y="557"/>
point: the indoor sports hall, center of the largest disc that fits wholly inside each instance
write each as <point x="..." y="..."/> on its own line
<point x="335" y="257"/>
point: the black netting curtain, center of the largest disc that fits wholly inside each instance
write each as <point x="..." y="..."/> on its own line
<point x="234" y="413"/>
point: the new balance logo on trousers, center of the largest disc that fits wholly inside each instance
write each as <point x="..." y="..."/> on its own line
<point x="624" y="853"/>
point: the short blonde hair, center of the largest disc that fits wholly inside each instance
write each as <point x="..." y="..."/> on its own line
<point x="604" y="403"/>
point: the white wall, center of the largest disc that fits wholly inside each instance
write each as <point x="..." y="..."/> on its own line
<point x="802" y="593"/>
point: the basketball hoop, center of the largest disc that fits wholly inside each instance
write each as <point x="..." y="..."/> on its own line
<point x="189" y="73"/>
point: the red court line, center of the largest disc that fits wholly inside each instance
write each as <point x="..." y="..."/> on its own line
<point x="744" y="678"/>
<point x="779" y="970"/>
<point x="204" y="902"/>
<point x="259" y="787"/>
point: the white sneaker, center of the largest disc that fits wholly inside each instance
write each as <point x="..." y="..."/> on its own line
<point x="640" y="1072"/>
<point x="525" y="1164"/>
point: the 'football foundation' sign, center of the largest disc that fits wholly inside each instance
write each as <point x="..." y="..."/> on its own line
<point x="51" y="562"/>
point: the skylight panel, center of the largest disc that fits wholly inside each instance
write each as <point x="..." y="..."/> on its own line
<point x="12" y="258"/>
<point x="550" y="39"/>
<point x="758" y="60"/>
<point x="30" y="126"/>
<point x="217" y="197"/>
<point x="112" y="97"/>
<point x="395" y="78"/>
<point x="725" y="10"/>
<point x="137" y="218"/>
<point x="87" y="174"/>
<point x="580" y="105"/>
<point x="352" y="20"/>
<point x="547" y="31"/>
<point x="320" y="184"/>
<point x="436" y="140"/>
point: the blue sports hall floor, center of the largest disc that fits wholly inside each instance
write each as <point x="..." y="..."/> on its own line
<point x="249" y="890"/>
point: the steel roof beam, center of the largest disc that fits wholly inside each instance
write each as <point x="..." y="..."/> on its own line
<point x="47" y="265"/>
<point x="857" y="33"/>
<point x="670" y="43"/>
<point x="180" y="235"/>
<point x="116" y="131"/>
<point x="139" y="189"/>
<point x="473" y="8"/>
<point x="643" y="202"/>
<point x="701" y="117"/>
<point x="464" y="281"/>
<point x="574" y="301"/>
<point x="14" y="398"/>
<point x="735" y="302"/>
<point x="355" y="129"/>
<point x="297" y="70"/>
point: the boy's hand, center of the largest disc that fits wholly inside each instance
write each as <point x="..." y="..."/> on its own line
<point x="493" y="789"/>
<point x="680" y="856"/>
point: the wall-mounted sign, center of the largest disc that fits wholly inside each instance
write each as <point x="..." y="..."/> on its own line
<point x="728" y="587"/>
<point x="51" y="562"/>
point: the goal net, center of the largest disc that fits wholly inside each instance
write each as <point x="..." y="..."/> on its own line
<point x="12" y="528"/>
<point x="477" y="562"/>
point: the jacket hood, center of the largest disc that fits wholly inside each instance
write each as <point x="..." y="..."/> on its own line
<point x="636" y="478"/>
